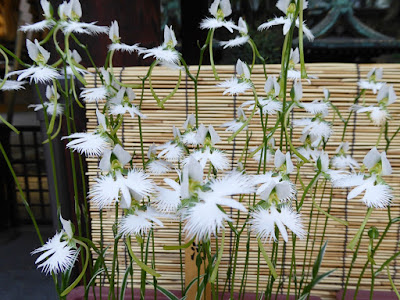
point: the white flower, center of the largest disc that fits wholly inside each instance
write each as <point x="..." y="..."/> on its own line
<point x="113" y="34"/>
<point x="378" y="195"/>
<point x="317" y="130"/>
<point x="94" y="94"/>
<point x="386" y="95"/>
<point x="342" y="160"/>
<point x="269" y="106"/>
<point x="377" y="114"/>
<point x="204" y="220"/>
<point x="259" y="155"/>
<point x="74" y="10"/>
<point x="49" y="108"/>
<point x="125" y="47"/>
<point x="39" y="74"/>
<point x="37" y="53"/>
<point x="171" y="151"/>
<point x="108" y="189"/>
<point x="219" y="9"/>
<point x="122" y="156"/>
<point x="239" y="40"/>
<point x="216" y="157"/>
<point x="206" y="136"/>
<point x="162" y="54"/>
<point x="237" y="123"/>
<point x="158" y="166"/>
<point x="38" y="26"/>
<point x="283" y="162"/>
<point x="271" y="86"/>
<point x="47" y="9"/>
<point x="288" y="9"/>
<point x="234" y="86"/>
<point x="139" y="222"/>
<point x="234" y="183"/>
<point x="83" y="28"/>
<point x="166" y="52"/>
<point x="373" y="157"/>
<point x="316" y="107"/>
<point x="90" y="143"/>
<point x="212" y="23"/>
<point x="372" y="83"/>
<point x="168" y="200"/>
<point x="283" y="189"/>
<point x="264" y="220"/>
<point x="57" y="256"/>
<point x="122" y="103"/>
<point x="12" y="85"/>
<point x="238" y="84"/>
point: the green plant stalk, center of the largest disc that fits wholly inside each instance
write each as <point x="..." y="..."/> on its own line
<point x="392" y="283"/>
<point x="292" y="267"/>
<point x="307" y="189"/>
<point x="78" y="279"/>
<point x="14" y="56"/>
<point x="359" y="279"/>
<point x="371" y="292"/>
<point x="326" y="218"/>
<point x="140" y="126"/>
<point x="210" y="48"/>
<point x="320" y="210"/>
<point x="181" y="258"/>
<point x="230" y="139"/>
<point x="69" y="105"/>
<point x="301" y="41"/>
<point x="308" y="238"/>
<point x="355" y="253"/>
<point x="6" y="67"/>
<point x="220" y="251"/>
<point x="9" y="125"/>
<point x="353" y="242"/>
<point x="246" y="267"/>
<point x="54" y="172"/>
<point x="153" y="264"/>
<point x="350" y="114"/>
<point x="81" y="167"/>
<point x="114" y="260"/>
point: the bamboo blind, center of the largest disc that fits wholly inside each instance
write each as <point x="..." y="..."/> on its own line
<point x="215" y="109"/>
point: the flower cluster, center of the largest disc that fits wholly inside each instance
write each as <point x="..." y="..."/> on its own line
<point x="201" y="188"/>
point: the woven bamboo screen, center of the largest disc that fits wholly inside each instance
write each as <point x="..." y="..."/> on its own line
<point x="215" y="109"/>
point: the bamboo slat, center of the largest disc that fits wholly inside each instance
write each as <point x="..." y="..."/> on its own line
<point x="215" y="109"/>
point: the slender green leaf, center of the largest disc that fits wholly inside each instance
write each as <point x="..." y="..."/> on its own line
<point x="167" y="293"/>
<point x="88" y="285"/>
<point x="318" y="261"/>
<point x="125" y="282"/>
<point x="267" y="260"/>
<point x="184" y="246"/>
<point x="191" y="284"/>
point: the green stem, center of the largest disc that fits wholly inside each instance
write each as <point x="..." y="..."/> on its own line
<point x="354" y="241"/>
<point x="267" y="260"/>
<point x="392" y="283"/>
<point x="212" y="55"/>
<point x="78" y="279"/>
